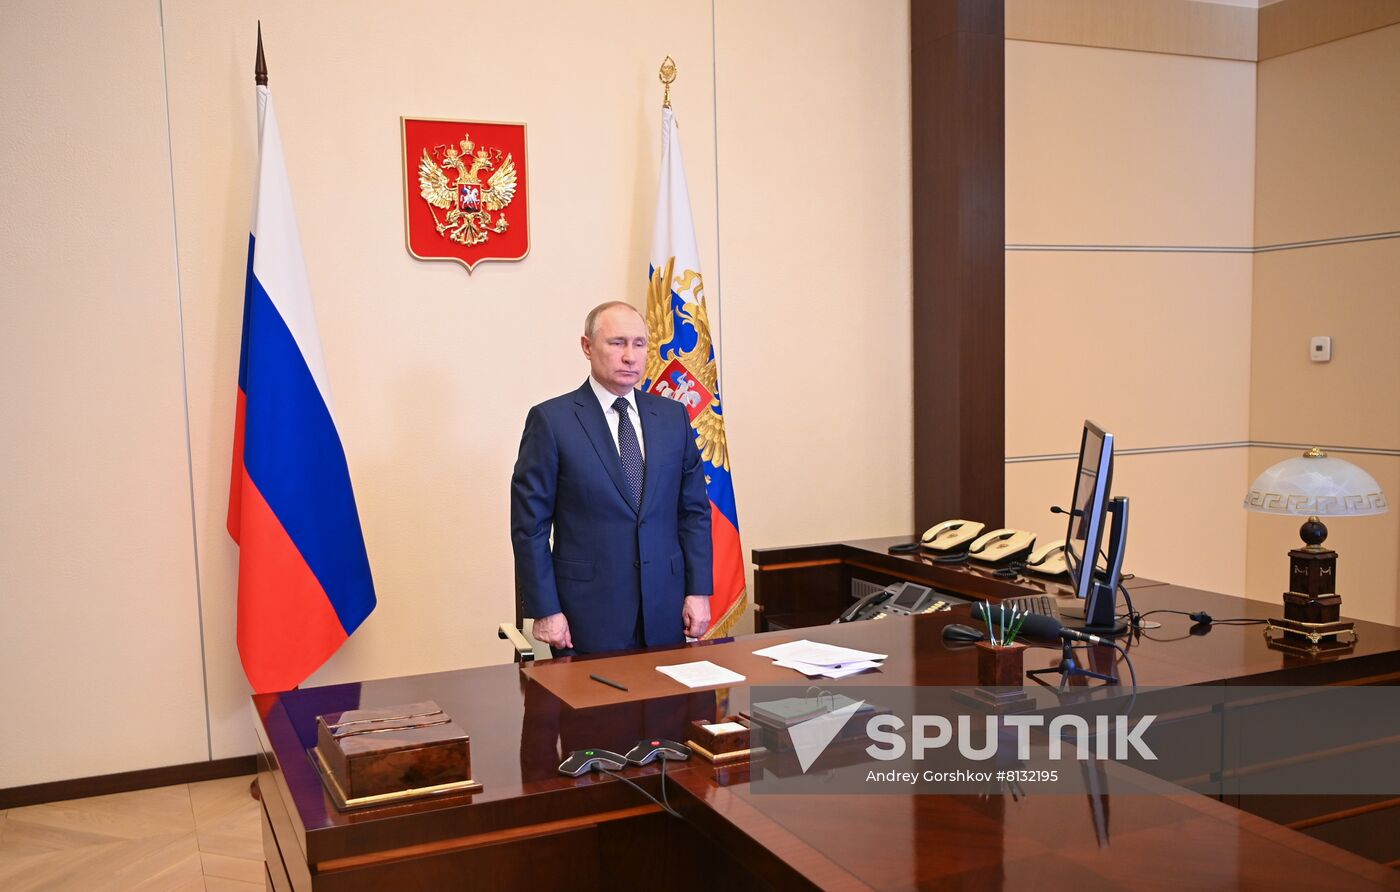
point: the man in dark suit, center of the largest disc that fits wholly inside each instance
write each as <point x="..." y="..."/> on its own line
<point x="616" y="475"/>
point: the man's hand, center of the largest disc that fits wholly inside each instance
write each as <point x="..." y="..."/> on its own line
<point x="554" y="630"/>
<point x="696" y="614"/>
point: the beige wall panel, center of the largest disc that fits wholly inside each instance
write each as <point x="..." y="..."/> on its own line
<point x="817" y="358"/>
<point x="1291" y="25"/>
<point x="1186" y="27"/>
<point x="99" y="624"/>
<point x="433" y="371"/>
<point x="1368" y="548"/>
<point x="1347" y="292"/>
<point x="1124" y="148"/>
<point x="1153" y="346"/>
<point x="1329" y="137"/>
<point x="1186" y="520"/>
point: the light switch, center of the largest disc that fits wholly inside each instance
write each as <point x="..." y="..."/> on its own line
<point x="1321" y="349"/>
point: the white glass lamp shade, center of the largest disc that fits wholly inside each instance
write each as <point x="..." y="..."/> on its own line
<point x="1316" y="484"/>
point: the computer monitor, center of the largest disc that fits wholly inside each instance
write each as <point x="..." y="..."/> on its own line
<point x="1084" y="538"/>
<point x="1090" y="511"/>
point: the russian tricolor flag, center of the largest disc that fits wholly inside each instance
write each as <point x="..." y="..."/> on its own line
<point x="304" y="581"/>
<point x="688" y="370"/>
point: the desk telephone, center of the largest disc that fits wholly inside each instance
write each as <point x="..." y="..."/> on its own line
<point x="898" y="599"/>
<point x="951" y="535"/>
<point x="1049" y="560"/>
<point x="1001" y="545"/>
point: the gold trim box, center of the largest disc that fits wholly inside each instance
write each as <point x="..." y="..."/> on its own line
<point x="369" y="756"/>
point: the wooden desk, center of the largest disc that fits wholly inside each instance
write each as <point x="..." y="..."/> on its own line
<point x="531" y="826"/>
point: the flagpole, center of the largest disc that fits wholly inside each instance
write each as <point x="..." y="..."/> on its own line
<point x="294" y="613"/>
<point x="674" y="241"/>
<point x="260" y="66"/>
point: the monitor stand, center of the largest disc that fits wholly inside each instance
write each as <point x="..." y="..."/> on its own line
<point x="1099" y="612"/>
<point x="1071" y="611"/>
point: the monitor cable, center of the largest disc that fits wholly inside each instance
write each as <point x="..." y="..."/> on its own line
<point x="1132" y="615"/>
<point x="1132" y="673"/>
<point x="1201" y="618"/>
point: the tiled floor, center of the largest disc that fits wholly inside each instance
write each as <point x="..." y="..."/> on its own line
<point x="203" y="836"/>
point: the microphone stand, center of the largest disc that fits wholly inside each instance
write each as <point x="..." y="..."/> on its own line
<point x="1068" y="668"/>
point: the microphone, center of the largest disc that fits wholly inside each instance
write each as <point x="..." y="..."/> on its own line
<point x="1073" y="512"/>
<point x="1038" y="625"/>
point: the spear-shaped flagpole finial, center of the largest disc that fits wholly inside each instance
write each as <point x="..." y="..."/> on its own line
<point x="260" y="67"/>
<point x="667" y="76"/>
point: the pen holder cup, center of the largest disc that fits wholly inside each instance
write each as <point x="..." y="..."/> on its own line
<point x="1001" y="665"/>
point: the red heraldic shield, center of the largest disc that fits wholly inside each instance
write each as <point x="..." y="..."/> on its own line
<point x="466" y="191"/>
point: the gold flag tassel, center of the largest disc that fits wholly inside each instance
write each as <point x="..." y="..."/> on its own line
<point x="721" y="627"/>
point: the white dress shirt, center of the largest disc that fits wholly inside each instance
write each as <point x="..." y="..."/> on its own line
<point x="606" y="398"/>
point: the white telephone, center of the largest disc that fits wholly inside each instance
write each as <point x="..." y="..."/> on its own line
<point x="951" y="535"/>
<point x="1049" y="560"/>
<point x="1001" y="545"/>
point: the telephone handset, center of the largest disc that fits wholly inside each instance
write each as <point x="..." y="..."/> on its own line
<point x="1049" y="560"/>
<point x="1001" y="545"/>
<point x="951" y="535"/>
<point x="866" y="607"/>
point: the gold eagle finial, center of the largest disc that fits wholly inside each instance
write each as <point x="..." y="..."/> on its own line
<point x="667" y="76"/>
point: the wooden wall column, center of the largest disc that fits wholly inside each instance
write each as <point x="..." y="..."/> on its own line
<point x="959" y="238"/>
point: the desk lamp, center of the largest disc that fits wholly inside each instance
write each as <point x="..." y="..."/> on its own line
<point x="1314" y="486"/>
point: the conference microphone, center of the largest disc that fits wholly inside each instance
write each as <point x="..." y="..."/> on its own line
<point x="1038" y="625"/>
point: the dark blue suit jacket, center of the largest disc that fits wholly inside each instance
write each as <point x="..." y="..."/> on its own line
<point x="609" y="559"/>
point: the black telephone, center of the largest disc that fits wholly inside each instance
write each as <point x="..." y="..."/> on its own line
<point x="866" y="607"/>
<point x="899" y="599"/>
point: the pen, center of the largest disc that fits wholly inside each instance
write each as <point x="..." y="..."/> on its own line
<point x="607" y="681"/>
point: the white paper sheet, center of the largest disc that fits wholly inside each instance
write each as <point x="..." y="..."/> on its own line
<point x="813" y="670"/>
<point x="817" y="653"/>
<point x="700" y="674"/>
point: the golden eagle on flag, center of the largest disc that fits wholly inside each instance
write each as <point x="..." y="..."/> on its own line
<point x="681" y="366"/>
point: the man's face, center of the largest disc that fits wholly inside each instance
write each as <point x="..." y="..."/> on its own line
<point x="618" y="349"/>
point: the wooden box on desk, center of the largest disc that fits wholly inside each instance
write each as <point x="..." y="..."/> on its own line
<point x="724" y="741"/>
<point x="370" y="756"/>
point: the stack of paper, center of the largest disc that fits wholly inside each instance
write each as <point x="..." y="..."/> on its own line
<point x="817" y="660"/>
<point x="700" y="674"/>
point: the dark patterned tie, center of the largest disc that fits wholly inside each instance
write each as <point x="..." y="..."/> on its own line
<point x="630" y="451"/>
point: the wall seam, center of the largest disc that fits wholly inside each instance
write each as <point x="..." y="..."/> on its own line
<point x="1206" y="447"/>
<point x="1212" y="249"/>
<point x="185" y="384"/>
<point x="1252" y="529"/>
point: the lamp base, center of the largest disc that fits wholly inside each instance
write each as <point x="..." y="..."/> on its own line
<point x="1312" y="572"/>
<point x="1312" y="609"/>
<point x="1313" y="632"/>
<point x="1297" y="645"/>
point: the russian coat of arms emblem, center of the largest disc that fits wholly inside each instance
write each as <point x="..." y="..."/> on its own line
<point x="465" y="195"/>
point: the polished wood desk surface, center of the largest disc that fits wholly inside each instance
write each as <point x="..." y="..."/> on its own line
<point x="520" y="732"/>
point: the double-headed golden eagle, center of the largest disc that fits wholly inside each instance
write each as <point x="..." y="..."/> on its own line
<point x="469" y="203"/>
<point x="661" y="328"/>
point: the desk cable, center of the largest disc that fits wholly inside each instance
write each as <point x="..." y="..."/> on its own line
<point x="1200" y="617"/>
<point x="664" y="801"/>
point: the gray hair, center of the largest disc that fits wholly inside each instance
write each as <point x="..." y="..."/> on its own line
<point x="590" y="324"/>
